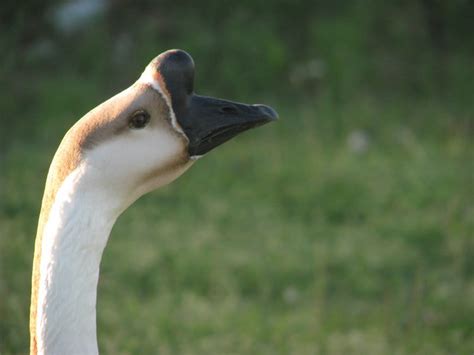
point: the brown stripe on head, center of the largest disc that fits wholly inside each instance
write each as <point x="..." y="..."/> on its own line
<point x="161" y="82"/>
<point x="172" y="73"/>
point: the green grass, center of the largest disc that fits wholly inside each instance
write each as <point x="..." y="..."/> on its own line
<point x="283" y="241"/>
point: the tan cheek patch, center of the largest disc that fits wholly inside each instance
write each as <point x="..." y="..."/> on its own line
<point x="173" y="165"/>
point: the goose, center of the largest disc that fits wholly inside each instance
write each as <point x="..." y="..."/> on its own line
<point x="133" y="143"/>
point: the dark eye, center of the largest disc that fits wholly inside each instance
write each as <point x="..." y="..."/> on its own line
<point x="139" y="120"/>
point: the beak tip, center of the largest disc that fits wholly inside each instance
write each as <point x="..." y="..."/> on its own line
<point x="269" y="112"/>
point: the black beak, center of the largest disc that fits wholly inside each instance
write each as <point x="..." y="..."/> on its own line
<point x="207" y="122"/>
<point x="210" y="122"/>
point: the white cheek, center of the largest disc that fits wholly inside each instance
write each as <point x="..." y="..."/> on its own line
<point x="123" y="161"/>
<point x="151" y="149"/>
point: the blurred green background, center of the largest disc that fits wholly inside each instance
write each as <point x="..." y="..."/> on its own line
<point x="344" y="228"/>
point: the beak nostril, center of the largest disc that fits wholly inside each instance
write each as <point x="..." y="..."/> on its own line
<point x="229" y="110"/>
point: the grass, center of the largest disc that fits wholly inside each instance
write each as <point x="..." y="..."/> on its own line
<point x="283" y="241"/>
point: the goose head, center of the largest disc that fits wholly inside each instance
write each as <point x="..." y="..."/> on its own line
<point x="149" y="134"/>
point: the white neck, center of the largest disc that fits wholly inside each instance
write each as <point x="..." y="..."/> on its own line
<point x="74" y="238"/>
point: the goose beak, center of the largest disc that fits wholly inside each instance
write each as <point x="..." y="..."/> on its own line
<point x="210" y="122"/>
<point x="207" y="121"/>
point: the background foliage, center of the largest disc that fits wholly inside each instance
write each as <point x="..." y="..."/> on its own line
<point x="346" y="227"/>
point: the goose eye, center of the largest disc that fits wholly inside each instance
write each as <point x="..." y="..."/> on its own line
<point x="139" y="120"/>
